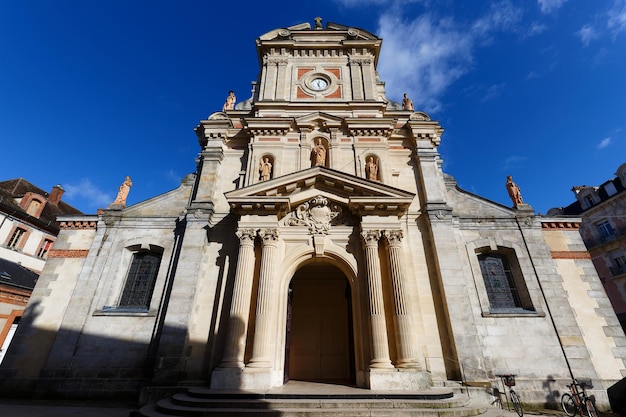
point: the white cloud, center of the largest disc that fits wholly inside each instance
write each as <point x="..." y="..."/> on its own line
<point x="549" y="6"/>
<point x="513" y="161"/>
<point x="493" y="92"/>
<point x="502" y="16"/>
<point x="87" y="191"/>
<point x="422" y="57"/>
<point x="617" y="17"/>
<point x="587" y="34"/>
<point x="604" y="143"/>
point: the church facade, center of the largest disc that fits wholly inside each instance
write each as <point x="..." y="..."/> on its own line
<point x="318" y="240"/>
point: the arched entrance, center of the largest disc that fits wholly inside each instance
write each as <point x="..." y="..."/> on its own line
<point x="320" y="341"/>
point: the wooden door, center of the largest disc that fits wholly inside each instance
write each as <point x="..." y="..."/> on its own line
<point x="319" y="338"/>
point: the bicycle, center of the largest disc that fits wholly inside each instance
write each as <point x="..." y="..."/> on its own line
<point x="508" y="380"/>
<point x="578" y="402"/>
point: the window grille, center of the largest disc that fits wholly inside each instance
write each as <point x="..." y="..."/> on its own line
<point x="140" y="281"/>
<point x="499" y="282"/>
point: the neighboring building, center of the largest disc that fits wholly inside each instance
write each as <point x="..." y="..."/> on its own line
<point x="318" y="240"/>
<point x="28" y="229"/>
<point x="16" y="285"/>
<point x="603" y="229"/>
<point x="28" y="226"/>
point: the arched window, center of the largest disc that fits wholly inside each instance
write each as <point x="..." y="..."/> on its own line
<point x="504" y="282"/>
<point x="140" y="280"/>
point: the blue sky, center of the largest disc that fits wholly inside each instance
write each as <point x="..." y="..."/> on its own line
<point x="92" y="91"/>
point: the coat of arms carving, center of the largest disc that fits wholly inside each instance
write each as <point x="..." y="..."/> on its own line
<point x="317" y="214"/>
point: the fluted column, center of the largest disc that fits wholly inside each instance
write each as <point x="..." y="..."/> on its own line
<point x="406" y="349"/>
<point x="380" y="345"/>
<point x="240" y="307"/>
<point x="261" y="348"/>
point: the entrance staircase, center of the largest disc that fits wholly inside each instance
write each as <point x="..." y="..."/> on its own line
<point x="315" y="400"/>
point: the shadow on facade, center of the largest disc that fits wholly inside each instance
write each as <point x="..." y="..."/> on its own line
<point x="553" y="395"/>
<point x="71" y="365"/>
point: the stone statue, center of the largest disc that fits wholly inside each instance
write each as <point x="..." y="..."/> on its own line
<point x="371" y="169"/>
<point x="123" y="191"/>
<point x="230" y="101"/>
<point x="514" y="191"/>
<point x="319" y="151"/>
<point x="407" y="103"/>
<point x="265" y="169"/>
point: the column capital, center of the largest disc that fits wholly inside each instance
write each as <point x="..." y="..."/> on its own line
<point x="394" y="237"/>
<point x="246" y="235"/>
<point x="371" y="237"/>
<point x="269" y="236"/>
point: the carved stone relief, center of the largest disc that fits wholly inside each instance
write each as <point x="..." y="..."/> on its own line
<point x="317" y="214"/>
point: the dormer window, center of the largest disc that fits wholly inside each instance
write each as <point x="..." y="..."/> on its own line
<point x="605" y="228"/>
<point x="34" y="208"/>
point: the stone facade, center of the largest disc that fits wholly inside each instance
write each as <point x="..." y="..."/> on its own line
<point x="603" y="230"/>
<point x="319" y="239"/>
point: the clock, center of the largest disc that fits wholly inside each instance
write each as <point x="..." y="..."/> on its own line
<point x="319" y="84"/>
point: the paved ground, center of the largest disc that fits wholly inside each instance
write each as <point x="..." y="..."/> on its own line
<point x="32" y="408"/>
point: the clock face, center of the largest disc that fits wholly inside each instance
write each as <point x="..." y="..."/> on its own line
<point x="319" y="84"/>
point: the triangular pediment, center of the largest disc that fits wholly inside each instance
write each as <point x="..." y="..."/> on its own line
<point x="283" y="194"/>
<point x="319" y="119"/>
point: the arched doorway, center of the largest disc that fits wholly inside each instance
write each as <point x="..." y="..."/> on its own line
<point x="320" y="337"/>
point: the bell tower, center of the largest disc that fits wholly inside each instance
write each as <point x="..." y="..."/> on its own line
<point x="332" y="68"/>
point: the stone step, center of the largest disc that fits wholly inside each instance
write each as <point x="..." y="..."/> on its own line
<point x="185" y="405"/>
<point x="186" y="400"/>
<point x="434" y="394"/>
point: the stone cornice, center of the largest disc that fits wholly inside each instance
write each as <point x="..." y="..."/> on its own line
<point x="278" y="126"/>
<point x="73" y="224"/>
<point x="370" y="126"/>
<point x="560" y="224"/>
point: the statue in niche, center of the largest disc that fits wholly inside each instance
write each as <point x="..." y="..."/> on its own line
<point x="514" y="191"/>
<point x="230" y="101"/>
<point x="122" y="193"/>
<point x="265" y="169"/>
<point x="407" y="103"/>
<point x="319" y="153"/>
<point x="371" y="169"/>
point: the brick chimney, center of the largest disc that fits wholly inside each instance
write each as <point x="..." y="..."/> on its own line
<point x="55" y="195"/>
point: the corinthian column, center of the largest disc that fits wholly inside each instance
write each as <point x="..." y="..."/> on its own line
<point x="380" y="345"/>
<point x="407" y="352"/>
<point x="261" y="349"/>
<point x="240" y="306"/>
